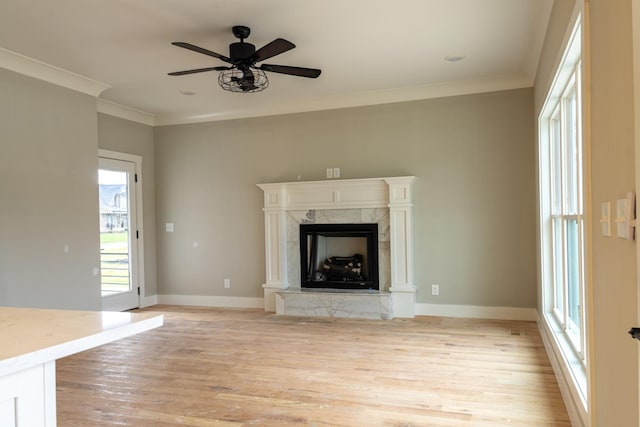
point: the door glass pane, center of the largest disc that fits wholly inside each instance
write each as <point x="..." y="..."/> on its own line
<point x="114" y="231"/>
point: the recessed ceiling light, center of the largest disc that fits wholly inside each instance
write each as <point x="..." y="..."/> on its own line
<point x="187" y="92"/>
<point x="454" y="58"/>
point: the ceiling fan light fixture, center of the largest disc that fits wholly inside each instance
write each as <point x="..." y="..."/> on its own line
<point x="235" y="80"/>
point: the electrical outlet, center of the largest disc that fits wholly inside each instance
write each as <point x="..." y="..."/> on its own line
<point x="329" y="173"/>
<point x="435" y="289"/>
<point x="227" y="283"/>
<point x="336" y="172"/>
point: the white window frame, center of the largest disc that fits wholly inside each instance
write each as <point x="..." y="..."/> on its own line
<point x="563" y="211"/>
<point x="568" y="350"/>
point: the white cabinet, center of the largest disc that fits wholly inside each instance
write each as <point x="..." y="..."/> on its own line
<point x="27" y="397"/>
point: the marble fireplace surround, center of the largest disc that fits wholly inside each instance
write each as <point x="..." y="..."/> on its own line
<point x="385" y="201"/>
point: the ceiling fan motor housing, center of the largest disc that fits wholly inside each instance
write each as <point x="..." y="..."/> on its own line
<point x="241" y="50"/>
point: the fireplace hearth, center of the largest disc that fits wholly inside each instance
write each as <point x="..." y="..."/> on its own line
<point x="339" y="256"/>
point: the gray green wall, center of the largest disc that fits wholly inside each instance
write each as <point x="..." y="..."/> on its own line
<point x="129" y="137"/>
<point x="48" y="195"/>
<point x="474" y="199"/>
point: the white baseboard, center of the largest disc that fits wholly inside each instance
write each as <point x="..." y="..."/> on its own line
<point x="211" y="301"/>
<point x="477" y="312"/>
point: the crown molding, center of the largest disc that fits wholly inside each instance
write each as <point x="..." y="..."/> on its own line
<point x="362" y="99"/>
<point x="122" y="111"/>
<point x="51" y="74"/>
<point x="39" y="70"/>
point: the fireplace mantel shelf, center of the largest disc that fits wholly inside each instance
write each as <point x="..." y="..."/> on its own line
<point x="393" y="193"/>
<point x="338" y="194"/>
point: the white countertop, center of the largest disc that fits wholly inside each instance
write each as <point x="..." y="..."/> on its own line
<point x="33" y="336"/>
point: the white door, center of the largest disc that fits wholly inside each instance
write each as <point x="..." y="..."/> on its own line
<point x="119" y="265"/>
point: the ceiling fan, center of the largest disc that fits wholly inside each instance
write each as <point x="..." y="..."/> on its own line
<point x="243" y="75"/>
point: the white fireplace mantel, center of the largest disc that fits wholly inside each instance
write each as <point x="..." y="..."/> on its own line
<point x="393" y="193"/>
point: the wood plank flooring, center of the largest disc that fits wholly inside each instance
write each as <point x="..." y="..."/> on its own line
<point x="233" y="367"/>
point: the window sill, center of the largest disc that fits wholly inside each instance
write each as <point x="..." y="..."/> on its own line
<point x="569" y="370"/>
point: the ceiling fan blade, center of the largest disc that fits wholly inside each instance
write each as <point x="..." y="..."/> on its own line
<point x="201" y="50"/>
<point x="312" y="73"/>
<point x="269" y="50"/>
<point x="198" y="70"/>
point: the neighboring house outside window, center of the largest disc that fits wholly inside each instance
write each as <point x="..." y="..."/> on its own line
<point x="113" y="208"/>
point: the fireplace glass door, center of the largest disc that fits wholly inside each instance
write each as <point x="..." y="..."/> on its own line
<point x="339" y="256"/>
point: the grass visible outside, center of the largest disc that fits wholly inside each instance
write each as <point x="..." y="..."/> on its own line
<point x="120" y="237"/>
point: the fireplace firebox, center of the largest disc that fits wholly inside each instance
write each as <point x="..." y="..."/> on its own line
<point x="339" y="256"/>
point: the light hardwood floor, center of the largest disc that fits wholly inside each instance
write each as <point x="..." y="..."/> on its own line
<point x="232" y="367"/>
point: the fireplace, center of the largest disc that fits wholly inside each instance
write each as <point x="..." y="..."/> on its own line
<point x="386" y="202"/>
<point x="339" y="256"/>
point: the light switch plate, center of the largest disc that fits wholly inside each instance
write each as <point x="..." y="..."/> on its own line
<point x="605" y="219"/>
<point x="625" y="217"/>
<point x="621" y="212"/>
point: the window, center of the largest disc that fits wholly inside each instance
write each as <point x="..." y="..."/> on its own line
<point x="567" y="225"/>
<point x="562" y="215"/>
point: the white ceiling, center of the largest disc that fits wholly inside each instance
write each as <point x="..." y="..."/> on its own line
<point x="370" y="51"/>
